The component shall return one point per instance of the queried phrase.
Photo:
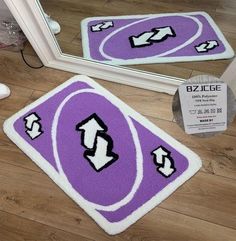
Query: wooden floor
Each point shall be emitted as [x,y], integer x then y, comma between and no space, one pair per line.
[33,208]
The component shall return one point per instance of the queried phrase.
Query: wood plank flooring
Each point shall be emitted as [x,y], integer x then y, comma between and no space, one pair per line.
[33,208]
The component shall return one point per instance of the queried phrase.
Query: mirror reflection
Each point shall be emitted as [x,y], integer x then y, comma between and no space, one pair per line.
[170,33]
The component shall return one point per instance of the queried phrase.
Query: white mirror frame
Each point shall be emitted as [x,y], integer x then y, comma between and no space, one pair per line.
[28,14]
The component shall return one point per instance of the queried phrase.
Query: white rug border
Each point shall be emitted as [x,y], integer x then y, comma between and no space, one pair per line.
[227,54]
[117,227]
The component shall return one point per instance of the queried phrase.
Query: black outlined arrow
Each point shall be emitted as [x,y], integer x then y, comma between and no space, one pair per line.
[158,155]
[155,36]
[33,125]
[167,169]
[102,155]
[90,127]
[99,145]
[206,46]
[35,131]
[30,119]
[164,161]
[101,26]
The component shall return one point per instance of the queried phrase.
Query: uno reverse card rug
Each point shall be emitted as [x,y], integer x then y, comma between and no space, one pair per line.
[108,158]
[155,38]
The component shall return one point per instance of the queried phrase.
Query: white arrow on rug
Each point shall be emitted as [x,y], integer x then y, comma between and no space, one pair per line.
[156,35]
[159,154]
[212,44]
[167,169]
[35,131]
[100,26]
[206,46]
[162,33]
[30,120]
[100,158]
[142,40]
[90,129]
[163,160]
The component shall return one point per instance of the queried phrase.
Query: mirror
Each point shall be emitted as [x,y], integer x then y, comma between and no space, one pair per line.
[64,51]
[69,15]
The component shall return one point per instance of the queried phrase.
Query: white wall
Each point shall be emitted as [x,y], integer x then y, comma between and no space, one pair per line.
[2,5]
[4,11]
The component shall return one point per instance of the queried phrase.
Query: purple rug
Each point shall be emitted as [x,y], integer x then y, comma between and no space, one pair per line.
[108,158]
[155,38]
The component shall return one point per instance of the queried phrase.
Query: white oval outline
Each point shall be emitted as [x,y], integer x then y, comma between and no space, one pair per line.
[189,41]
[139,156]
